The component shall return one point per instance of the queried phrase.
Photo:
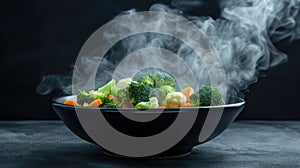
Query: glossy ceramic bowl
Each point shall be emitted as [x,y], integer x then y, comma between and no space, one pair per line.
[210,122]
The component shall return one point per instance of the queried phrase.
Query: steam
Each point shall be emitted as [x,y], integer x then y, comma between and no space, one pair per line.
[243,36]
[52,82]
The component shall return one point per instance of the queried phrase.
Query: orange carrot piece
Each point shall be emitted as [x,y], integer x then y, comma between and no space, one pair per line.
[185,105]
[116,100]
[95,103]
[162,106]
[188,92]
[110,96]
[71,103]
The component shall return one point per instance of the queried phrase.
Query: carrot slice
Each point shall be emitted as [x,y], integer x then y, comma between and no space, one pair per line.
[188,92]
[110,96]
[185,105]
[95,103]
[71,103]
[162,106]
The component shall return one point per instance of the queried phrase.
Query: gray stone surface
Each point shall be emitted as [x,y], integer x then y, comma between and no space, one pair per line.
[244,144]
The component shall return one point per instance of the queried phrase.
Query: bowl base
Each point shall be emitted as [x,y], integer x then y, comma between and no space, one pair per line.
[148,157]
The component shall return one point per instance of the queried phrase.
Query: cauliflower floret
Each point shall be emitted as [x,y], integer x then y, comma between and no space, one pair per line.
[153,102]
[175,99]
[124,83]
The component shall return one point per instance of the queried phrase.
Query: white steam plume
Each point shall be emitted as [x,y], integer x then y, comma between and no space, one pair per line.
[243,35]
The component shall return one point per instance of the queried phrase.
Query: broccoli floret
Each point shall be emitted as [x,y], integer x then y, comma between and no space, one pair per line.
[162,83]
[206,96]
[107,100]
[210,96]
[97,95]
[139,92]
[167,89]
[108,103]
[168,81]
[195,100]
[158,80]
[84,98]
[146,80]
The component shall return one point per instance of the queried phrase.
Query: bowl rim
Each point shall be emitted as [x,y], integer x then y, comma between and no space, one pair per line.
[54,101]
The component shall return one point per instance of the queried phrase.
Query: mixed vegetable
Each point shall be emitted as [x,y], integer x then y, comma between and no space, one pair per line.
[150,91]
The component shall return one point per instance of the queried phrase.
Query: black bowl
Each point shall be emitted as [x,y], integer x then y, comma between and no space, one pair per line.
[210,122]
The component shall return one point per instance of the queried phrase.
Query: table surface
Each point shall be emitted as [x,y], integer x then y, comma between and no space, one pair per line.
[243,144]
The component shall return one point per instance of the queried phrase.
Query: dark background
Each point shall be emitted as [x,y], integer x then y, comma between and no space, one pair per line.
[44,37]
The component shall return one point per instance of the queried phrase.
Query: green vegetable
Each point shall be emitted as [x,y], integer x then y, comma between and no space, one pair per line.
[123,96]
[84,97]
[152,103]
[139,92]
[162,84]
[148,92]
[158,80]
[169,82]
[109,104]
[87,97]
[167,89]
[85,104]
[108,88]
[161,93]
[207,96]
[107,100]
[147,80]
[145,105]
[97,95]
[195,100]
